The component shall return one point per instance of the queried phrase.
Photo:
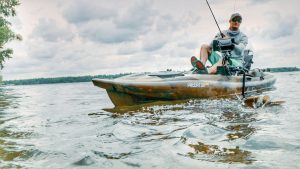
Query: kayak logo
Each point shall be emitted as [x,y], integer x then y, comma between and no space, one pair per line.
[196,85]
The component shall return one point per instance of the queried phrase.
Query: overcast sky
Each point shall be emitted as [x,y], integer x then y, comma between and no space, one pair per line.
[80,37]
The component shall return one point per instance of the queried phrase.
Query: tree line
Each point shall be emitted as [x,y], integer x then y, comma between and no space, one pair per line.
[282,69]
[69,79]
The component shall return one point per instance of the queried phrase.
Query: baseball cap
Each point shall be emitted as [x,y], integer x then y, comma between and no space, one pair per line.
[235,15]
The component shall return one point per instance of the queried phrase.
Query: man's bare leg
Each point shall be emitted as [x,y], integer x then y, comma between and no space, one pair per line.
[213,68]
[204,53]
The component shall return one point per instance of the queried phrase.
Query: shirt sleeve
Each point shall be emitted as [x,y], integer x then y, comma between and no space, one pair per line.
[240,47]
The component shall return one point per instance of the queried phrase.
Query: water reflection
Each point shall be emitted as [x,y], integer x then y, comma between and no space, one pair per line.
[240,131]
[227,122]
[153,107]
[239,124]
[7,98]
[217,154]
[10,150]
[228,119]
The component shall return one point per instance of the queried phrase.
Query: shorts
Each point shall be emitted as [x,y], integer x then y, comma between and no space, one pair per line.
[215,57]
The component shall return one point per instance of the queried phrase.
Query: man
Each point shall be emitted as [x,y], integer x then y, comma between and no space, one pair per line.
[236,58]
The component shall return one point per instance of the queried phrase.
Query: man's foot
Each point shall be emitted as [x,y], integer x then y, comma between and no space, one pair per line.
[198,66]
[201,67]
[193,61]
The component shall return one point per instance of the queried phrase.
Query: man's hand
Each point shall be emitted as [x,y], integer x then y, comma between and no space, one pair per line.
[233,40]
[226,37]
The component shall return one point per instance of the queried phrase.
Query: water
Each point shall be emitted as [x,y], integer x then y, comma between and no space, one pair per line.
[73,126]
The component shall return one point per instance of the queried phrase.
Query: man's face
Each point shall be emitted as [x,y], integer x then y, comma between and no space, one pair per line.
[235,23]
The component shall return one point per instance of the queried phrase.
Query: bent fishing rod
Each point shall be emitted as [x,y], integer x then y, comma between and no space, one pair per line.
[222,35]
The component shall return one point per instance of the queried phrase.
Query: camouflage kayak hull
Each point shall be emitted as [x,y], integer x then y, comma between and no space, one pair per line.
[164,86]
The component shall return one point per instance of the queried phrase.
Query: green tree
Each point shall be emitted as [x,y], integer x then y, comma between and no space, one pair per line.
[7,9]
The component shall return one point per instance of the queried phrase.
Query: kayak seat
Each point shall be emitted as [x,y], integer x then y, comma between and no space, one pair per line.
[248,59]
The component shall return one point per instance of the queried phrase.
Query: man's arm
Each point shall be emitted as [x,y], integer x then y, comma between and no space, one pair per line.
[239,48]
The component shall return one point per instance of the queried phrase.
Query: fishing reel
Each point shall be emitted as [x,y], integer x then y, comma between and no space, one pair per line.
[223,45]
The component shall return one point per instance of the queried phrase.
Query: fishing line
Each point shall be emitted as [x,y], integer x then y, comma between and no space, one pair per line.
[234,6]
[222,35]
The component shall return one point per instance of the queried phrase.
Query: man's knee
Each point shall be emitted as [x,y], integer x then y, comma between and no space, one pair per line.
[205,47]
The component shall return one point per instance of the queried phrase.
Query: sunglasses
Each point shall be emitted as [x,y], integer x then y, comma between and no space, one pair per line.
[239,20]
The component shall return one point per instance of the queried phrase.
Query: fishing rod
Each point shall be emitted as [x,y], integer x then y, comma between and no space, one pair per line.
[222,35]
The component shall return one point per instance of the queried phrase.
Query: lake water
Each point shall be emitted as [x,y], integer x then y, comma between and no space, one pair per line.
[73,126]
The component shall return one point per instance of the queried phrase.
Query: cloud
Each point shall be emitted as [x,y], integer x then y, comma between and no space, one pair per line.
[50,30]
[129,48]
[106,32]
[103,37]
[280,26]
[135,32]
[285,27]
[139,17]
[188,44]
[80,11]
[256,2]
[154,44]
[169,23]
[106,25]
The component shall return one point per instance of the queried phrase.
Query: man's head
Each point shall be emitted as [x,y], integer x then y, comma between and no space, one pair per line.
[235,21]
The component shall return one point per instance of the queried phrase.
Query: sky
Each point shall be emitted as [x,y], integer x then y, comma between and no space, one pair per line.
[80,37]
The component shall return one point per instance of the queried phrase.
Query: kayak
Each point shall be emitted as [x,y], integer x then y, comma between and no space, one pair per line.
[142,88]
